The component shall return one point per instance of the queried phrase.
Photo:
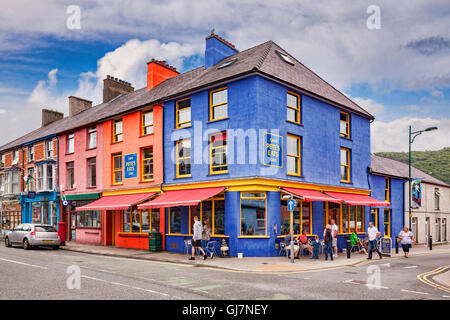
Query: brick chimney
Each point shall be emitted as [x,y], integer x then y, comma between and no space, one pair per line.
[77,105]
[49,116]
[112,87]
[158,71]
[217,49]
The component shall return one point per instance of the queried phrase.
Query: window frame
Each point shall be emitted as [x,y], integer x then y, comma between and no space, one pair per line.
[298,158]
[374,211]
[177,162]
[388,223]
[298,119]
[212,106]
[70,166]
[45,177]
[347,166]
[116,134]
[186,124]
[143,179]
[31,153]
[91,131]
[211,149]
[217,197]
[143,126]
[241,197]
[114,170]
[49,149]
[89,171]
[437,199]
[387,189]
[346,134]
[170,221]
[70,138]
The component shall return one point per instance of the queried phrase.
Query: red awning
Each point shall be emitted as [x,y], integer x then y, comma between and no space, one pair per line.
[358,199]
[119,202]
[186,197]
[310,195]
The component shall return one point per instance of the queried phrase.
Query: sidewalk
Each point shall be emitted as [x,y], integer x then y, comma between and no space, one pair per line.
[248,264]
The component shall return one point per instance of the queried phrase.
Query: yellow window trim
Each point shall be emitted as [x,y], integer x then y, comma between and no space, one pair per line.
[254,237]
[265,215]
[347,166]
[347,125]
[298,157]
[114,156]
[387,189]
[116,134]
[177,109]
[298,119]
[388,235]
[211,149]
[178,158]
[143,126]
[212,106]
[376,216]
[142,164]
[220,196]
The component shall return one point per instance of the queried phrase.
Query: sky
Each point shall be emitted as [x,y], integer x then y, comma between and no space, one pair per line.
[399,71]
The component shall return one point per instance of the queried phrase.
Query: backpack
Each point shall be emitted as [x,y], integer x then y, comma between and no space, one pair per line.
[328,237]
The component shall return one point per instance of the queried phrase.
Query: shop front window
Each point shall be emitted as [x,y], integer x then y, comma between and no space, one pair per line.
[88,219]
[175,220]
[36,213]
[306,217]
[11,219]
[253,214]
[286,219]
[352,219]
[332,211]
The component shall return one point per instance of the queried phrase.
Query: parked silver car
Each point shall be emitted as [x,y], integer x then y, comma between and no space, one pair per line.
[32,235]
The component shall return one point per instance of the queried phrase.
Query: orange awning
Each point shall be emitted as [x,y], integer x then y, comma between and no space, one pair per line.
[310,195]
[118,202]
[187,197]
[357,199]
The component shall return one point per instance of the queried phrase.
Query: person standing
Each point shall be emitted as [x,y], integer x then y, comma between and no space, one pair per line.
[206,236]
[334,232]
[315,244]
[197,239]
[373,234]
[406,238]
[328,241]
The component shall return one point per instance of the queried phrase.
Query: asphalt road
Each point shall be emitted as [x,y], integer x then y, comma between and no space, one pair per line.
[42,274]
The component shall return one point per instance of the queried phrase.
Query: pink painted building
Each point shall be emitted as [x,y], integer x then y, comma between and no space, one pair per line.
[81,175]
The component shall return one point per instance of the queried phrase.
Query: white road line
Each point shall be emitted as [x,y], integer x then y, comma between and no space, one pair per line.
[404,290]
[410,267]
[25,264]
[128,286]
[446,296]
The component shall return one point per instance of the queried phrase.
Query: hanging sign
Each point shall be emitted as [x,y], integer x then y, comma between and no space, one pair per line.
[131,166]
[416,190]
[273,150]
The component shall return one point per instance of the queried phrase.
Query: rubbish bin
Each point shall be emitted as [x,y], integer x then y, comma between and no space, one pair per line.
[62,232]
[155,242]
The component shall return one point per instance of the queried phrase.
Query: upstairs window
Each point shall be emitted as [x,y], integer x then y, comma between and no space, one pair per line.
[12,182]
[70,143]
[92,172]
[436,198]
[49,148]
[147,122]
[183,158]
[183,113]
[70,171]
[15,159]
[293,155]
[2,161]
[218,104]
[92,137]
[117,168]
[345,165]
[147,164]
[345,125]
[285,57]
[218,153]
[293,107]
[387,189]
[30,180]
[30,153]
[45,177]
[117,130]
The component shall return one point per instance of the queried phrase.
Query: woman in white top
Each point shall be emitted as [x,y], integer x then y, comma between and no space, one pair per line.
[406,238]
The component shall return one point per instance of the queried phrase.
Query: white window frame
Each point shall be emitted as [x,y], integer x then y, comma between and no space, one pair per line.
[49,149]
[45,186]
[31,153]
[9,182]
[91,131]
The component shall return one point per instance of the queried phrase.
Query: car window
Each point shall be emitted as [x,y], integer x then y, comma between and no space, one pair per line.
[44,229]
[27,227]
[18,228]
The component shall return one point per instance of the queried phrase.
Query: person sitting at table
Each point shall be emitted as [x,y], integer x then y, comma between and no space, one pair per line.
[250,231]
[355,241]
[303,239]
[287,241]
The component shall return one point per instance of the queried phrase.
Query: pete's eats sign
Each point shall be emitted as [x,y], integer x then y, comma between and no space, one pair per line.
[131,165]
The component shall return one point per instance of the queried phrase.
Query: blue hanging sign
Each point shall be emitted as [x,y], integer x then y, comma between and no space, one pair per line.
[131,165]
[273,150]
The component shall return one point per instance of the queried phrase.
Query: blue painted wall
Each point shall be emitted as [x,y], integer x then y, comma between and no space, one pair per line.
[216,51]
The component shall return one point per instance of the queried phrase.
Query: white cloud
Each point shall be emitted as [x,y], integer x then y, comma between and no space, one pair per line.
[437,93]
[2,111]
[393,135]
[369,105]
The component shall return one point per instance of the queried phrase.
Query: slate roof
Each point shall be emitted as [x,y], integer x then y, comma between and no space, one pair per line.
[394,168]
[262,58]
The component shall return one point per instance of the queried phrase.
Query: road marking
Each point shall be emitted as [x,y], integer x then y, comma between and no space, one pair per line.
[404,290]
[424,278]
[128,286]
[385,265]
[25,264]
[410,267]
[446,296]
[368,285]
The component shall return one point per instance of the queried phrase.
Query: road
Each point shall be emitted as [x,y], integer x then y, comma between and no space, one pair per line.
[42,274]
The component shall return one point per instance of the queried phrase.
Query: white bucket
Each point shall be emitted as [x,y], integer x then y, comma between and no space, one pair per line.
[240,255]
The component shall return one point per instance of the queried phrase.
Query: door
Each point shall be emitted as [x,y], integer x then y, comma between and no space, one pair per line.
[438,229]
[414,228]
[427,230]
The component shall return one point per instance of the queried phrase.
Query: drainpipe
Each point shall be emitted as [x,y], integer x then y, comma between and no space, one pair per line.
[57,180]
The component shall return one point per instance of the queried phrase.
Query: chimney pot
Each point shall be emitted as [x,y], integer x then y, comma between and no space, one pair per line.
[77,105]
[49,116]
[112,87]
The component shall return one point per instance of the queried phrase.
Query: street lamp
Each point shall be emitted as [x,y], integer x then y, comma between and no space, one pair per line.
[412,136]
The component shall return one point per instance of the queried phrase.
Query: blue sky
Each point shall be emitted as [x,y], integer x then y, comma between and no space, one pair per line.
[399,72]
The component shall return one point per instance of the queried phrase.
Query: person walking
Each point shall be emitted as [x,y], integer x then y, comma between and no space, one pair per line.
[406,238]
[334,232]
[373,234]
[328,240]
[206,236]
[197,239]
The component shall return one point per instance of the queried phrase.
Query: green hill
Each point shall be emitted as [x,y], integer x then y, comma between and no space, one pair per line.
[435,163]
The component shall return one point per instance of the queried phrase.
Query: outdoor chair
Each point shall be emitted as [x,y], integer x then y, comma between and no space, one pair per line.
[188,247]
[282,249]
[211,245]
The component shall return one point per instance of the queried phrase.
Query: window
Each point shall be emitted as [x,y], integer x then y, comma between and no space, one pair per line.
[183,113]
[2,161]
[147,164]
[387,222]
[438,230]
[44,177]
[345,125]
[286,219]
[293,155]
[218,104]
[147,122]
[117,130]
[117,168]
[92,172]
[12,182]
[444,229]
[227,63]
[2,183]
[212,211]
[218,153]
[352,219]
[285,57]
[345,165]
[293,107]
[332,211]
[175,220]
[253,214]
[92,137]
[49,148]
[88,219]
[141,221]
[183,154]
[70,143]
[436,198]
[387,189]
[11,219]
[70,171]
[30,153]
[15,159]
[374,216]
[30,180]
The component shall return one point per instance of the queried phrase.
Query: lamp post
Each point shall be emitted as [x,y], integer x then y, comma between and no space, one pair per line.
[412,136]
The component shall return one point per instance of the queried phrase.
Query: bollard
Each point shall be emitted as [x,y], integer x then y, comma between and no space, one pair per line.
[431,242]
[349,249]
[396,245]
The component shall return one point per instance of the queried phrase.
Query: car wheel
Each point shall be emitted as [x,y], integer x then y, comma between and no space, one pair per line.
[7,242]
[55,247]
[26,244]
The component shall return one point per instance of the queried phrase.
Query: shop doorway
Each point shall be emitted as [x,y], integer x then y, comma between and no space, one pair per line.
[109,228]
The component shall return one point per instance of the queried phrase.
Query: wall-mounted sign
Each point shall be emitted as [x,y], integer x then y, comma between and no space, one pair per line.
[416,190]
[131,165]
[65,203]
[273,150]
[31,195]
